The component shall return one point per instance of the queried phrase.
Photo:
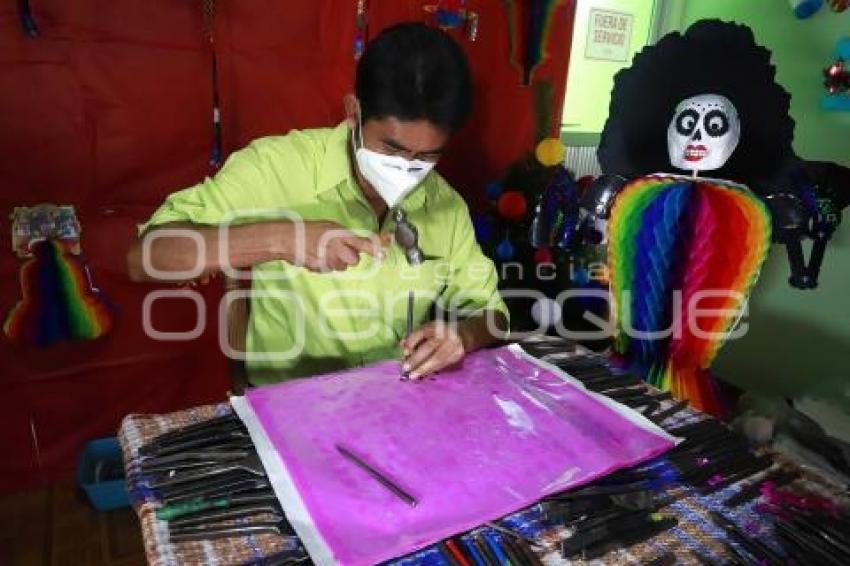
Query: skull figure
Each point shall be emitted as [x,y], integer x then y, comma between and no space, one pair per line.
[703,133]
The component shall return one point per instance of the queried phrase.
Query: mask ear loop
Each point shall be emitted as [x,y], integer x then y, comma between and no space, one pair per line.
[360,128]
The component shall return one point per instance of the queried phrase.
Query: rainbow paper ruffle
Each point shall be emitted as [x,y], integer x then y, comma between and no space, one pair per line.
[57,301]
[530,26]
[682,256]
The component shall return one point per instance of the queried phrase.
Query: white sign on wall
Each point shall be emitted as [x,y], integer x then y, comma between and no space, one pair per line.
[609,35]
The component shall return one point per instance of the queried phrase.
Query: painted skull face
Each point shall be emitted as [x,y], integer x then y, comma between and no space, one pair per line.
[703,133]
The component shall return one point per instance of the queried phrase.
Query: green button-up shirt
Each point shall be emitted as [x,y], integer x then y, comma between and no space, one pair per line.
[302,322]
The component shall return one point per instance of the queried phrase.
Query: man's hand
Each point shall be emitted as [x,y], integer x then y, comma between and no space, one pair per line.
[327,246]
[431,348]
[438,345]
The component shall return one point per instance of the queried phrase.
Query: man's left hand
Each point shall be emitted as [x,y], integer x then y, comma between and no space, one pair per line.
[431,348]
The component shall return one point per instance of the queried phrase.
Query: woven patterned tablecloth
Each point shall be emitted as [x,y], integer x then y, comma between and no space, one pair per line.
[695,534]
[137,430]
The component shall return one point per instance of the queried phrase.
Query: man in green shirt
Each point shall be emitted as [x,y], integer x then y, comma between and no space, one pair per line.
[307,216]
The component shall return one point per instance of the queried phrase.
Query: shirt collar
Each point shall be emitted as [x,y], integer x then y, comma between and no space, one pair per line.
[335,167]
[336,170]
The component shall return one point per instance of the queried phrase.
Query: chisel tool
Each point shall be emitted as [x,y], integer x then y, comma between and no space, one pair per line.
[377,476]
[404,374]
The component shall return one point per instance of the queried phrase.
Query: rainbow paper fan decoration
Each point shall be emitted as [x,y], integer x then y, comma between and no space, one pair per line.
[58,302]
[530,24]
[683,256]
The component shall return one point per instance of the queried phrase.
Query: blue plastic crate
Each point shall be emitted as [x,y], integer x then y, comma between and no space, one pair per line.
[100,473]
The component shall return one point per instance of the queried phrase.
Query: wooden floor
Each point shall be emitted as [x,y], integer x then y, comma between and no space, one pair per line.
[56,526]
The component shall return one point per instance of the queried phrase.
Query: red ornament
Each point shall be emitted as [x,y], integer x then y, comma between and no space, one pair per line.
[512,205]
[837,77]
[839,6]
[543,255]
[584,182]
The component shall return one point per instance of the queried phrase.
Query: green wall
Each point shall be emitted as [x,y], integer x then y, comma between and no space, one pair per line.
[798,343]
[801,49]
[590,81]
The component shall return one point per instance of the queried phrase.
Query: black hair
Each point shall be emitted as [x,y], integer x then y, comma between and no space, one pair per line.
[414,72]
[711,57]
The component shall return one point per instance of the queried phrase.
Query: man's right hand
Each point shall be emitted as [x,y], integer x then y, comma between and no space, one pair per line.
[327,246]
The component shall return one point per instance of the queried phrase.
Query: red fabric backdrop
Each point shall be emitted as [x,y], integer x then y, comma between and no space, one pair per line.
[110,110]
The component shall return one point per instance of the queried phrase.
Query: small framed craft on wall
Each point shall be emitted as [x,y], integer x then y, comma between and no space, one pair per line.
[609,35]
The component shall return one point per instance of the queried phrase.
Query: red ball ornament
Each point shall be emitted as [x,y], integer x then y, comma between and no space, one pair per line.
[584,182]
[543,255]
[512,205]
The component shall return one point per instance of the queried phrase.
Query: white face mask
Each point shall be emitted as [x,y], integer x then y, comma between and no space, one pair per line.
[703,133]
[393,176]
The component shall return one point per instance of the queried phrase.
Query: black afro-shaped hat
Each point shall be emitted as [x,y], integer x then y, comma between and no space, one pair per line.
[711,57]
